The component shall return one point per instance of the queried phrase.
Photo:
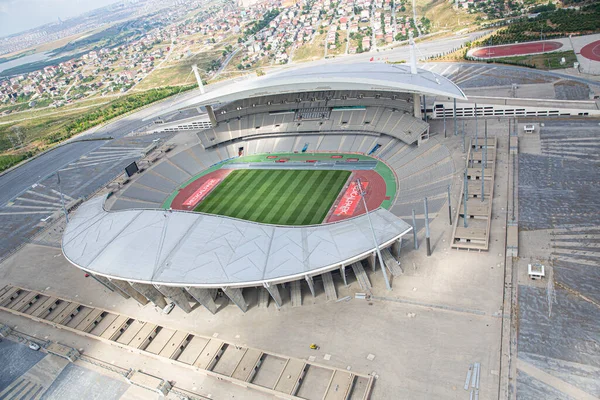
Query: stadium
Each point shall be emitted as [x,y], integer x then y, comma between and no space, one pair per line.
[296,178]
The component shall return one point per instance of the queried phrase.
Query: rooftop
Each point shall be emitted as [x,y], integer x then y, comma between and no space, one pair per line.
[357,76]
[192,249]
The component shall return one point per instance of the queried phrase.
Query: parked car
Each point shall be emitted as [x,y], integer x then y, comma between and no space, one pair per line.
[34,346]
[168,308]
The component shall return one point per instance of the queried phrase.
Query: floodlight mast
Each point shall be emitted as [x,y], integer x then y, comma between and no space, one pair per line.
[362,195]
[413,70]
[413,55]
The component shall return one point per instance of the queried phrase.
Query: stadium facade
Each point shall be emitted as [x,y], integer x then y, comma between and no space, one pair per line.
[136,244]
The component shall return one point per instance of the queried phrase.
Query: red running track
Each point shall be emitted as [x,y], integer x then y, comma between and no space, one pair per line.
[516,49]
[591,51]
[375,192]
[374,197]
[188,191]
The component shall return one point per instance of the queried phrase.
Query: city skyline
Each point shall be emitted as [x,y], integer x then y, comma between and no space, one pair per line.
[21,15]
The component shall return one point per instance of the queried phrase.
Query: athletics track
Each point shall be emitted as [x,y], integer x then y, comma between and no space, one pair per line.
[591,51]
[516,49]
[347,204]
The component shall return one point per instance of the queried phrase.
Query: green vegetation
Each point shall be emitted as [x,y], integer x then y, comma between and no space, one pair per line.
[284,197]
[114,109]
[543,8]
[266,19]
[8,161]
[560,23]
[21,139]
[541,61]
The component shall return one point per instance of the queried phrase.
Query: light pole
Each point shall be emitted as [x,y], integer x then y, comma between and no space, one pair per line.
[541,38]
[444,111]
[414,220]
[475,125]
[464,147]
[62,199]
[362,195]
[427,235]
[466,196]
[454,115]
[449,207]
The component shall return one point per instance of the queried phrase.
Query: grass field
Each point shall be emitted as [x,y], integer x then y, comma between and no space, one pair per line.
[283,197]
[544,61]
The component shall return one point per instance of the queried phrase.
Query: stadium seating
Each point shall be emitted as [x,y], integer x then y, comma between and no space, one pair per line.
[317,112]
[375,120]
[422,171]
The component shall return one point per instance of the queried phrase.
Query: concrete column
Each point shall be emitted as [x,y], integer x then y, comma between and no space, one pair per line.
[108,284]
[343,272]
[395,248]
[371,261]
[311,284]
[211,115]
[235,295]
[125,287]
[204,297]
[177,295]
[150,292]
[417,105]
[263,298]
[274,292]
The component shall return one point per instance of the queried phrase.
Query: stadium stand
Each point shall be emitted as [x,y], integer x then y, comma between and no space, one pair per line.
[371,109]
[309,112]
[421,171]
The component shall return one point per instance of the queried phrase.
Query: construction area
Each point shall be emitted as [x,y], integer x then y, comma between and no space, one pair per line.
[271,373]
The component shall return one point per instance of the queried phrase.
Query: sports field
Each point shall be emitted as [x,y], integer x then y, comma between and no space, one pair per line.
[283,197]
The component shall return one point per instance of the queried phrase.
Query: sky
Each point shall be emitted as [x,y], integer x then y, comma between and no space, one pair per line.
[21,15]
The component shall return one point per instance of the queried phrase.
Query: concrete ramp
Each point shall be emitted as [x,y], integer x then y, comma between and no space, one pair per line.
[361,276]
[390,262]
[296,293]
[34,383]
[330,292]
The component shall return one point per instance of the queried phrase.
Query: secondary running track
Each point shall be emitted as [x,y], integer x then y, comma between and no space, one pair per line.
[516,49]
[591,51]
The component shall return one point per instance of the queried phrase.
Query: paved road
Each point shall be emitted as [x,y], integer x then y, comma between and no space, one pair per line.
[226,62]
[20,179]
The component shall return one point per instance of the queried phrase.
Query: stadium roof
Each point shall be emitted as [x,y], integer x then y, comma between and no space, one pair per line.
[180,248]
[358,76]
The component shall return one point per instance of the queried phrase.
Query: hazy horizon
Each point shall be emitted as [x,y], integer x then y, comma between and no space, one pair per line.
[21,15]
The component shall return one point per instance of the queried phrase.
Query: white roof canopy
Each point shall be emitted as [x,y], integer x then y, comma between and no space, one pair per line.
[358,76]
[181,248]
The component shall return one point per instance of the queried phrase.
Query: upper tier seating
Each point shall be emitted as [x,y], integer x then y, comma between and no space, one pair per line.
[376,120]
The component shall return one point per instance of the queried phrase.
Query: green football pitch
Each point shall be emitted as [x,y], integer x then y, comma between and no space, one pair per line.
[283,197]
